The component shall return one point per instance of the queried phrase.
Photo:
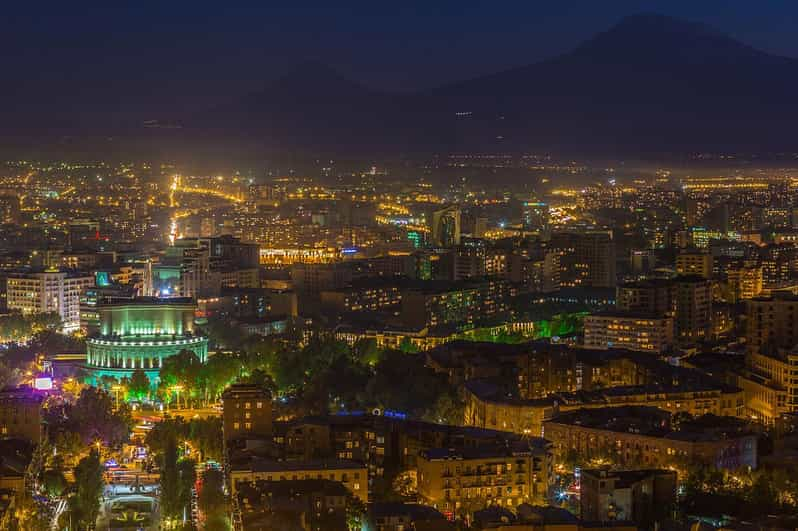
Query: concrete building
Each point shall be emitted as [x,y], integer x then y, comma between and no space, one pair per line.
[651,297]
[696,263]
[743,283]
[442,303]
[693,318]
[246,411]
[772,322]
[769,383]
[50,291]
[629,331]
[642,496]
[21,414]
[354,476]
[446,226]
[459,482]
[586,258]
[642,436]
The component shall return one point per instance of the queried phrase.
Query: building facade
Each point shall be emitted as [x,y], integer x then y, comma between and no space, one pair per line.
[139,334]
[50,291]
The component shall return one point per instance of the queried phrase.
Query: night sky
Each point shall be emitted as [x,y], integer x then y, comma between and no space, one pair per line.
[193,54]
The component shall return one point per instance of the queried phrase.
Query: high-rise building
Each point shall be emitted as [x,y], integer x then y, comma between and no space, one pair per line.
[694,264]
[693,318]
[772,323]
[50,291]
[535,215]
[9,208]
[446,226]
[586,258]
[652,297]
[199,267]
[743,283]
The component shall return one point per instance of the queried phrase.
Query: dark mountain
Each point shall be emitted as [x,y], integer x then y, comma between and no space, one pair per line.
[651,84]
[312,106]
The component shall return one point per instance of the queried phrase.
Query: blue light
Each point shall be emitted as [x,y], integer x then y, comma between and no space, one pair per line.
[349,250]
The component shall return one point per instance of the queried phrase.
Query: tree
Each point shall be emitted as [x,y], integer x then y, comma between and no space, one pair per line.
[54,482]
[448,408]
[407,346]
[170,482]
[94,418]
[85,504]
[187,476]
[355,513]
[210,498]
[183,369]
[206,436]
[139,385]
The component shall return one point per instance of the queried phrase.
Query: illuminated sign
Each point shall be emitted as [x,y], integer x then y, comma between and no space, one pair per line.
[43,384]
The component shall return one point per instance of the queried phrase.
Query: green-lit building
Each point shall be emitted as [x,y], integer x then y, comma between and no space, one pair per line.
[140,333]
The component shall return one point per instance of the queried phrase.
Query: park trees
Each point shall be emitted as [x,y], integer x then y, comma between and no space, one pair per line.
[85,503]
[138,387]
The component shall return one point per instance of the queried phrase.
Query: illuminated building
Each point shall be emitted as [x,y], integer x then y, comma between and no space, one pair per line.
[772,322]
[200,267]
[487,408]
[459,482]
[473,259]
[771,388]
[51,291]
[694,264]
[9,208]
[535,215]
[629,331]
[642,496]
[440,303]
[246,411]
[654,297]
[446,227]
[140,334]
[354,476]
[586,258]
[368,295]
[693,318]
[642,436]
[769,383]
[743,283]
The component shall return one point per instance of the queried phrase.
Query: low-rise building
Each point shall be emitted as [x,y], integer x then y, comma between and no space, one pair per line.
[246,411]
[21,414]
[354,476]
[642,496]
[642,436]
[459,482]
